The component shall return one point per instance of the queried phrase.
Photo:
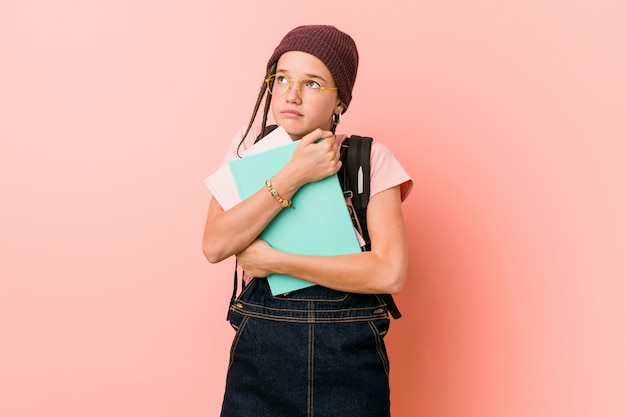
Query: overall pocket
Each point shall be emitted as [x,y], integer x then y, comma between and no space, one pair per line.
[379,330]
[238,322]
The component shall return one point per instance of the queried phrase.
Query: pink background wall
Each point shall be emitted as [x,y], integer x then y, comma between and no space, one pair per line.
[509,115]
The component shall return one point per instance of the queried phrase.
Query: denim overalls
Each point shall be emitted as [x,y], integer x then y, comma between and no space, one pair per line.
[315,352]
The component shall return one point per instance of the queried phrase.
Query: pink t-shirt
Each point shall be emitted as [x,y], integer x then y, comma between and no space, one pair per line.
[385,170]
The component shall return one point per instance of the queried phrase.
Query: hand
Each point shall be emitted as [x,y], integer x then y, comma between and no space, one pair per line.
[313,160]
[254,259]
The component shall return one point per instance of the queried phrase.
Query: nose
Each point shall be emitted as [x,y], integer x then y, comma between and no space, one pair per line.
[293,93]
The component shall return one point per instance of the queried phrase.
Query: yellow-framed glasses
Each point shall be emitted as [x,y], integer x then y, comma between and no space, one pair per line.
[278,85]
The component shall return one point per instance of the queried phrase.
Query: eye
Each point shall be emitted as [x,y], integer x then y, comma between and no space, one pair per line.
[281,79]
[312,84]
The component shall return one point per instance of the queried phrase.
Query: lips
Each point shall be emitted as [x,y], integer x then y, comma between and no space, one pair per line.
[291,113]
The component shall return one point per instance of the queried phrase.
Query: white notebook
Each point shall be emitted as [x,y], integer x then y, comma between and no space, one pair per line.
[221,182]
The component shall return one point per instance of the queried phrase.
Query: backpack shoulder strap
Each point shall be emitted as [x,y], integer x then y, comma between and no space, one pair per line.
[354,177]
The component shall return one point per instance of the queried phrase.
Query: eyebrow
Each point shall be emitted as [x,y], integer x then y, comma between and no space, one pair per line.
[319,77]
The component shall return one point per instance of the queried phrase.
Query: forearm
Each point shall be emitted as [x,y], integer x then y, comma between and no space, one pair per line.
[383,270]
[229,232]
[364,272]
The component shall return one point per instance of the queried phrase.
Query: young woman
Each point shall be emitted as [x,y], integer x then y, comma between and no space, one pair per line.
[318,351]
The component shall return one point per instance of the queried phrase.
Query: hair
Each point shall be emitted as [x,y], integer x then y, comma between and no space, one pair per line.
[263,92]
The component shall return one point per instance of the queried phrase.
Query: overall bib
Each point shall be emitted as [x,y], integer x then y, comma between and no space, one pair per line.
[315,352]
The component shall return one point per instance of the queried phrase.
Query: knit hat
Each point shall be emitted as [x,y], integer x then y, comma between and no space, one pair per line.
[333,47]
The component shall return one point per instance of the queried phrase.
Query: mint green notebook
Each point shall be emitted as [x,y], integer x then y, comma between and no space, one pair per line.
[319,225]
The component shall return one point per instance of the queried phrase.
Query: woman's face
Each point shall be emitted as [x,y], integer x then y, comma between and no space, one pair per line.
[300,115]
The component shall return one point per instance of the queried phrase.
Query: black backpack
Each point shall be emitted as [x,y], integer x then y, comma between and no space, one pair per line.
[354,177]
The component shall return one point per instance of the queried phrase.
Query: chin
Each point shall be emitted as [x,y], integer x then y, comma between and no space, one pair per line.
[295,136]
[296,132]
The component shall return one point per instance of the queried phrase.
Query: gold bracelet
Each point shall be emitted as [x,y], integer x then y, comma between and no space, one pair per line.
[274,193]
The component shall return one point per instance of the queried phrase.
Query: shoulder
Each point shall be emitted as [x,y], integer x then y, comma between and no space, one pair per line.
[386,171]
[379,152]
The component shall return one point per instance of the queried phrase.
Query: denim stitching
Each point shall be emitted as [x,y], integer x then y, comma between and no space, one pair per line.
[311,362]
[237,338]
[306,309]
[311,320]
[379,347]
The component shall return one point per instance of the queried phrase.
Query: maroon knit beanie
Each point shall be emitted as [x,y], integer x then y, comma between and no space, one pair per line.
[333,47]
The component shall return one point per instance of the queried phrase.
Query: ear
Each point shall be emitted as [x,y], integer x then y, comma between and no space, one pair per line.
[339,108]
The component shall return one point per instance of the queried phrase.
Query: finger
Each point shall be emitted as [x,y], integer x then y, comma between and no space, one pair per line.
[328,142]
[312,137]
[325,134]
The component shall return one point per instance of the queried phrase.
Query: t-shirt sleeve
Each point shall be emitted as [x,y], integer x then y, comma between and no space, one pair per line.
[387,172]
